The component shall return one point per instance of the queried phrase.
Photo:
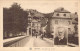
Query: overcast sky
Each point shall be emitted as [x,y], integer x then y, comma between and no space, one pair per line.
[44,6]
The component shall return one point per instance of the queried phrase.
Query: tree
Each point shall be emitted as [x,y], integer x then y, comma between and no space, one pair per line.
[14,19]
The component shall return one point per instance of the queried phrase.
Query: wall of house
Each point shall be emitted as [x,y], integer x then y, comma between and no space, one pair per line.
[61,15]
[61,20]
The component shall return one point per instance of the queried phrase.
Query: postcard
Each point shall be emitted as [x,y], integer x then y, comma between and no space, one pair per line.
[39,25]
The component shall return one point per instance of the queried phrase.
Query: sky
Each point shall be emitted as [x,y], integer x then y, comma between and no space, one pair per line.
[43,6]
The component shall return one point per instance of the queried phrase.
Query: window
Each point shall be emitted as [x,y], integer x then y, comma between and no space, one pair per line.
[69,31]
[29,24]
[33,25]
[56,21]
[57,14]
[69,22]
[64,14]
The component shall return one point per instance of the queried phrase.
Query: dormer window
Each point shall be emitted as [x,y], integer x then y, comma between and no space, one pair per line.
[64,15]
[57,14]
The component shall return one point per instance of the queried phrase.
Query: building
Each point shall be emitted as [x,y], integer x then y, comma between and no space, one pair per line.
[75,22]
[61,18]
[34,22]
[29,31]
[36,26]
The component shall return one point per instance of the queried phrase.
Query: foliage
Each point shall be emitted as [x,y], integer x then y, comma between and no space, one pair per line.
[14,19]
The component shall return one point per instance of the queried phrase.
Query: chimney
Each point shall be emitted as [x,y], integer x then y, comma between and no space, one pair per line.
[62,9]
[75,13]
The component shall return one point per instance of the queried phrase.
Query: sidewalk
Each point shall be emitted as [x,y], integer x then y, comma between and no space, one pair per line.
[72,45]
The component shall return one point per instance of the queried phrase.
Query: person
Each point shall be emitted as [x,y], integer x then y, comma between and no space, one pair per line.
[42,36]
[36,34]
[60,39]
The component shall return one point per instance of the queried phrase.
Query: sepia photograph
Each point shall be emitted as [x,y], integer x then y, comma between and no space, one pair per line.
[61,36]
[40,24]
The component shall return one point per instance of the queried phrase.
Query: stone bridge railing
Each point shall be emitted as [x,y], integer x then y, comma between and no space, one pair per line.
[15,42]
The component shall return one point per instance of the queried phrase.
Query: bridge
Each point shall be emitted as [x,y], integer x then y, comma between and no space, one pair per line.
[29,41]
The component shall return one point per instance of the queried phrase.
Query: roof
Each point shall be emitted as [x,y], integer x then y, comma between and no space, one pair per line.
[62,10]
[74,22]
[38,15]
[74,16]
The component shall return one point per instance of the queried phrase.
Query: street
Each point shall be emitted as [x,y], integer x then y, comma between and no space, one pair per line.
[38,42]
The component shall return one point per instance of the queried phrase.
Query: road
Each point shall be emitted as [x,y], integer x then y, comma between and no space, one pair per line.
[38,42]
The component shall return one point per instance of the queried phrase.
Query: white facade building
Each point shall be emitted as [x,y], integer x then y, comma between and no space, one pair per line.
[61,18]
